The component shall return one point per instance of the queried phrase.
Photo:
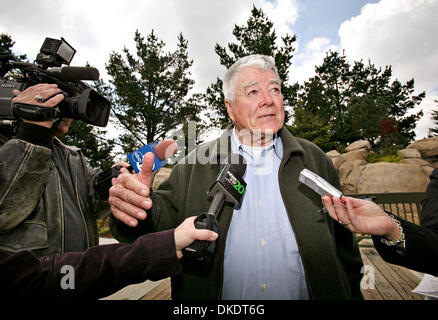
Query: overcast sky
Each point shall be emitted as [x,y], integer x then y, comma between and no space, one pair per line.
[400,33]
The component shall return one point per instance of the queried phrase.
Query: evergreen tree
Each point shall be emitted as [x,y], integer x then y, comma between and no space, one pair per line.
[149,90]
[256,37]
[313,128]
[6,44]
[6,54]
[359,101]
[434,131]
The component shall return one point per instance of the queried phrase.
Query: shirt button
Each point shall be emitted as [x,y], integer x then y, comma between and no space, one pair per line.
[260,202]
[263,242]
[264,287]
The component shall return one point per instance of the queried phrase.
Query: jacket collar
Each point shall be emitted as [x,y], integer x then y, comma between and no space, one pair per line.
[222,147]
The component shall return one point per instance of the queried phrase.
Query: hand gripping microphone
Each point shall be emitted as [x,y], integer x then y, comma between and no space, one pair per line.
[228,187]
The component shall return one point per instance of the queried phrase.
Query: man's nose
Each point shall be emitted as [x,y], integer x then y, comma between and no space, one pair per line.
[266,98]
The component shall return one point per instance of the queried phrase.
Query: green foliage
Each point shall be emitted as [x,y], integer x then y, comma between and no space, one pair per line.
[256,37]
[312,128]
[6,44]
[103,227]
[358,101]
[149,90]
[373,157]
[434,131]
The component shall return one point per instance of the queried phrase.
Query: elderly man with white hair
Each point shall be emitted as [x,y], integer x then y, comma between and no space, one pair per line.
[276,244]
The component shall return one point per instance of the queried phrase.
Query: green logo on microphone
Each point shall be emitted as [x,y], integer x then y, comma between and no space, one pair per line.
[240,188]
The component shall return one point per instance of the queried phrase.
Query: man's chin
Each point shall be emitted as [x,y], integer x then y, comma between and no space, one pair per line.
[62,127]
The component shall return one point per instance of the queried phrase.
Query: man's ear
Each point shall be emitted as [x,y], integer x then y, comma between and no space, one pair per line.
[229,106]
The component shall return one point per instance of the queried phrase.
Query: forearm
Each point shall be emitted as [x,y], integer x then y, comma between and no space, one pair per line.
[95,273]
[420,251]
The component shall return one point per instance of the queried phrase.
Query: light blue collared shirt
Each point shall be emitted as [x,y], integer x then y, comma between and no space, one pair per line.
[261,254]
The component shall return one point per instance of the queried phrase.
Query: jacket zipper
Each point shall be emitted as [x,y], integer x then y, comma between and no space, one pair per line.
[82,213]
[79,205]
[61,208]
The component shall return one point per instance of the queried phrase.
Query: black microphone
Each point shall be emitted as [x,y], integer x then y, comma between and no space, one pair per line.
[228,187]
[68,73]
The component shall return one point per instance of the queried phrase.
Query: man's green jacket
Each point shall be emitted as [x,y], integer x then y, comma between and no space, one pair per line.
[329,252]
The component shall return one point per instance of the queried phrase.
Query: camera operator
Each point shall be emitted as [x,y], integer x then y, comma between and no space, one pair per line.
[47,200]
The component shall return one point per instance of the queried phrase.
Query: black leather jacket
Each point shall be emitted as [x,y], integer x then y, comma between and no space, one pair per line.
[421,251]
[31,205]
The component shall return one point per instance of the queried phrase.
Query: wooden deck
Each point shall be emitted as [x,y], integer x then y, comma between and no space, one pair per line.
[390,282]
[160,292]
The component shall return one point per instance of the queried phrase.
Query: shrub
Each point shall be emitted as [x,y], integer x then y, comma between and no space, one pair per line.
[103,227]
[379,157]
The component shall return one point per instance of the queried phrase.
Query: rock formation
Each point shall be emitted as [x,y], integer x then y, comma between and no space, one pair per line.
[410,175]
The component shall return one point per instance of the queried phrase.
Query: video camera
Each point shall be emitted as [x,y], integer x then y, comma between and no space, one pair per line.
[81,101]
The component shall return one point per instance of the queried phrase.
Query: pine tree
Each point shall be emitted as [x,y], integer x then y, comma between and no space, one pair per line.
[149,90]
[256,37]
[359,101]
[6,54]
[434,131]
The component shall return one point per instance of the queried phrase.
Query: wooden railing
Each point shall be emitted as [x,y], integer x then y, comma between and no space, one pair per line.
[406,205]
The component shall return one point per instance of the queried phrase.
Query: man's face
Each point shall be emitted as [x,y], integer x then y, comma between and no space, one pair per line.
[258,102]
[63,126]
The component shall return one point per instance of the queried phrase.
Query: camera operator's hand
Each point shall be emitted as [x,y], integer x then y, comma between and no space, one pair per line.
[122,164]
[43,94]
[186,234]
[129,195]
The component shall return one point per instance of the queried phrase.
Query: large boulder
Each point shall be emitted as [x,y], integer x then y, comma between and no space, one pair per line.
[359,144]
[428,149]
[382,177]
[410,153]
[349,173]
[336,158]
[410,175]
[359,154]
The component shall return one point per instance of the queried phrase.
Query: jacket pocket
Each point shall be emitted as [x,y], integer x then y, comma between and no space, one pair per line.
[26,236]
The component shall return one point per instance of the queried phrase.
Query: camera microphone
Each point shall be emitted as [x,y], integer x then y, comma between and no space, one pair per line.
[68,73]
[228,187]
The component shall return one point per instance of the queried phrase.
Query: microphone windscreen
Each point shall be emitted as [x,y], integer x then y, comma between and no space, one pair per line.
[75,73]
[165,149]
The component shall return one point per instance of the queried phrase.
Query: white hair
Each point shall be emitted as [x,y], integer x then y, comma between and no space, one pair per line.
[260,61]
